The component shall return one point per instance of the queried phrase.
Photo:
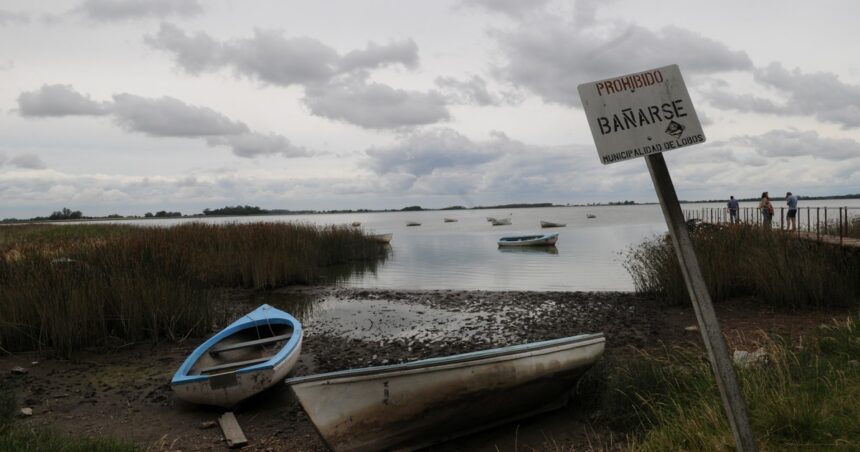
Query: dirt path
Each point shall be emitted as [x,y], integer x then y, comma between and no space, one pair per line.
[125,393]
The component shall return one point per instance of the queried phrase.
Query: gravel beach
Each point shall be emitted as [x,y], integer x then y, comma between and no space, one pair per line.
[124,392]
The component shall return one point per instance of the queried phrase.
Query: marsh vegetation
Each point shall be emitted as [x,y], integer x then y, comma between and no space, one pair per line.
[66,287]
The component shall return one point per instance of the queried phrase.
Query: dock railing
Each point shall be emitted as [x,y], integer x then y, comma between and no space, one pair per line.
[841,222]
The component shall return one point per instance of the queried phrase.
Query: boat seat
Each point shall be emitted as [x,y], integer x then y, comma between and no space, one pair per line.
[255,343]
[249,362]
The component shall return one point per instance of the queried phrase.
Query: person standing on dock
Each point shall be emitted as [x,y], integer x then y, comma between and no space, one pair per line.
[733,209]
[766,209]
[791,216]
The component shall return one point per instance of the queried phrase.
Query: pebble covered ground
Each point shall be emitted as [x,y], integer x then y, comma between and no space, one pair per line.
[124,391]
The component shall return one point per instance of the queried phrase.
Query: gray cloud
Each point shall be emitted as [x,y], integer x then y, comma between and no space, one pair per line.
[13,18]
[271,57]
[123,10]
[513,8]
[403,52]
[27,161]
[820,95]
[162,117]
[423,153]
[169,117]
[252,145]
[374,105]
[336,86]
[474,91]
[193,53]
[796,143]
[536,59]
[58,100]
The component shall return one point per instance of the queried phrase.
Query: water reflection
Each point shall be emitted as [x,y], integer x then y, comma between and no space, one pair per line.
[549,249]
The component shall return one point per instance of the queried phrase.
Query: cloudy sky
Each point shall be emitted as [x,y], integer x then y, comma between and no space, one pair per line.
[129,106]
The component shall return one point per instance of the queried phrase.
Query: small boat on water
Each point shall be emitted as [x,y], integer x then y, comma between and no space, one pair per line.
[491,219]
[419,403]
[383,238]
[250,355]
[356,224]
[450,220]
[550,224]
[590,215]
[529,240]
[412,223]
[501,222]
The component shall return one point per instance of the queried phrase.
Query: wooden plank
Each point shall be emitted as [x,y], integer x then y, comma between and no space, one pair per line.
[712,335]
[232,432]
[236,364]
[264,341]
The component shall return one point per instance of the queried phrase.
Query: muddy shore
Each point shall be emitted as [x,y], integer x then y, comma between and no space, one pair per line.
[123,391]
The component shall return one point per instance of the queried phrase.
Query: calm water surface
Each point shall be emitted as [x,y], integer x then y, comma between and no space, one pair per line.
[464,254]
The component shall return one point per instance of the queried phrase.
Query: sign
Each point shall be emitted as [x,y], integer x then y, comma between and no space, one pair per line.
[640,114]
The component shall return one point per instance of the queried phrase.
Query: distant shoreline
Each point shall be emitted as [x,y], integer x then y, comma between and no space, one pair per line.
[282,212]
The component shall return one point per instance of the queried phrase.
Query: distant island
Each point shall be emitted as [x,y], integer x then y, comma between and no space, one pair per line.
[66,214]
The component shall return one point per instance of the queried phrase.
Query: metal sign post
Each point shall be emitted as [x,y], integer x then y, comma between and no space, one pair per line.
[643,115]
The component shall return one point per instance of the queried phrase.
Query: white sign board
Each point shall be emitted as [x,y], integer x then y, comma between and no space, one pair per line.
[639,114]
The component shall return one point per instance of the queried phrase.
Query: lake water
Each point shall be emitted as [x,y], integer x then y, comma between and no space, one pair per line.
[464,254]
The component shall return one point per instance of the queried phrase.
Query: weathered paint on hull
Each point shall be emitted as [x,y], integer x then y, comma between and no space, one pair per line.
[228,389]
[416,407]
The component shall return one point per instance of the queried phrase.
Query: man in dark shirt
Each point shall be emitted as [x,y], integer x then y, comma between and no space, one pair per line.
[733,209]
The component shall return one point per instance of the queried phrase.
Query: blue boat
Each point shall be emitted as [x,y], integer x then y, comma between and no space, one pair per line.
[251,354]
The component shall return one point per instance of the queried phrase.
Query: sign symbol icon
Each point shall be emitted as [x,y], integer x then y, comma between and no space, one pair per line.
[675,129]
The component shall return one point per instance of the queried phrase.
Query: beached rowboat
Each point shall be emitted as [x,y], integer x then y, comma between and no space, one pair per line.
[383,238]
[529,240]
[501,222]
[250,355]
[412,405]
[550,224]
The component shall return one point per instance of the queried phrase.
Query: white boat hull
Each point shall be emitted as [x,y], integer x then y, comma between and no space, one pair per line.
[538,240]
[424,402]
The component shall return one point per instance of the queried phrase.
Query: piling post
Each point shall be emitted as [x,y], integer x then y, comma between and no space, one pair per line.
[781,217]
[808,223]
[818,222]
[825,221]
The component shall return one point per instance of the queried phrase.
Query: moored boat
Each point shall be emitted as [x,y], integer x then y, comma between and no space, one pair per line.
[383,238]
[412,223]
[550,224]
[529,240]
[356,224]
[251,354]
[416,404]
[590,215]
[450,220]
[501,221]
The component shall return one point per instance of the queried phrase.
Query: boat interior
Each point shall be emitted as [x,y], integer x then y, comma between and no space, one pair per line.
[246,347]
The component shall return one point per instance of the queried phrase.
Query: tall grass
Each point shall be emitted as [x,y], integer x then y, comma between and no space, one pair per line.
[64,287]
[775,267]
[799,399]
